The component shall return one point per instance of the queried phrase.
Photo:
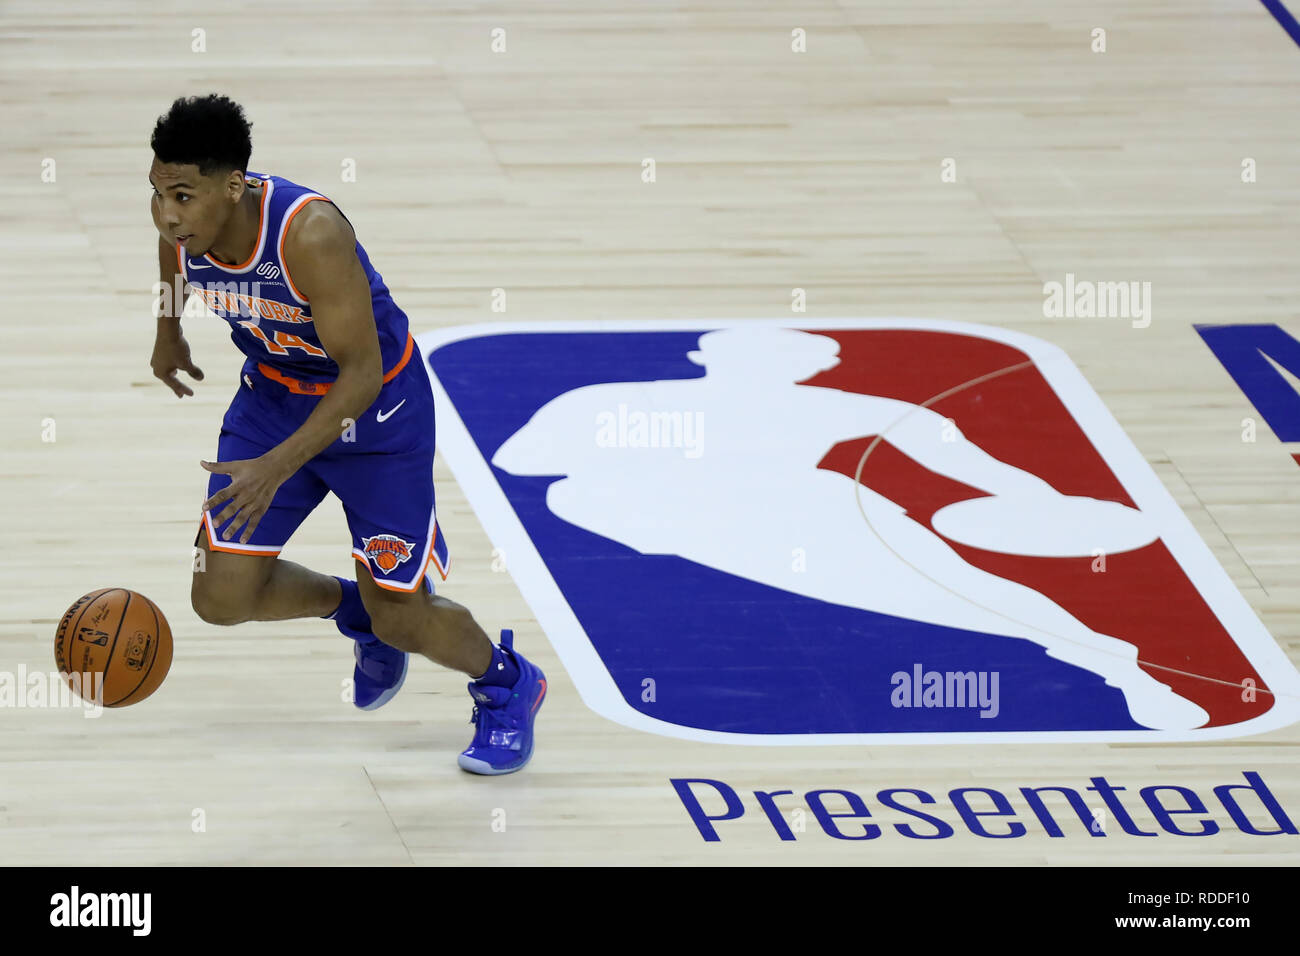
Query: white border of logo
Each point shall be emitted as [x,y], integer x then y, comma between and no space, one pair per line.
[597,687]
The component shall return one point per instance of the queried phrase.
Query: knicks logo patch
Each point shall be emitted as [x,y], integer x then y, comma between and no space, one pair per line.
[846,531]
[387,551]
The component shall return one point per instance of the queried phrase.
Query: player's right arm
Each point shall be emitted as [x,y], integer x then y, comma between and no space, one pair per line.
[935,442]
[171,353]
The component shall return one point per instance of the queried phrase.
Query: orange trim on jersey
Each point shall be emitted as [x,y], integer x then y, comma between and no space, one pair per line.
[284,234]
[257,246]
[256,552]
[179,265]
[299,387]
[401,362]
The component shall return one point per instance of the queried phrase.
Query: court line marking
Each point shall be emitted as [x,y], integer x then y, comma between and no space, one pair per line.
[1283,16]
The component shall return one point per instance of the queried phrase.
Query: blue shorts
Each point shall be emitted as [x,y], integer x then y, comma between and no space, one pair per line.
[381,469]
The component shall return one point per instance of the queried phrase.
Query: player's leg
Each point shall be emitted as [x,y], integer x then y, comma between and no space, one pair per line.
[392,564]
[235,581]
[231,588]
[1064,637]
[383,475]
[508,688]
[431,625]
[385,481]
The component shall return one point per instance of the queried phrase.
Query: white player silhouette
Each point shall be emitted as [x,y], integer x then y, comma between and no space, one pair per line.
[750,498]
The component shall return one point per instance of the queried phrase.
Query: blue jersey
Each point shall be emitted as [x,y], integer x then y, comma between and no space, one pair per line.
[270,319]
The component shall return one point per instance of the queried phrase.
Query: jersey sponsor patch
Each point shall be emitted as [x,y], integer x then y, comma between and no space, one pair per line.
[846,531]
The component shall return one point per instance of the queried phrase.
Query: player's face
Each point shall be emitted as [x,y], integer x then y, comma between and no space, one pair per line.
[193,208]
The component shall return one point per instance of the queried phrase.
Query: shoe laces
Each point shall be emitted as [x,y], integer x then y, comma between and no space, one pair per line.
[495,715]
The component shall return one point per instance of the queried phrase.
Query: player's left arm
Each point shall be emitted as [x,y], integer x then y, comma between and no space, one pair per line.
[937,443]
[320,255]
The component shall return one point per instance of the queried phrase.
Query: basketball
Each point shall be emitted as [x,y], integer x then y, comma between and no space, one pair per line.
[1050,526]
[114,636]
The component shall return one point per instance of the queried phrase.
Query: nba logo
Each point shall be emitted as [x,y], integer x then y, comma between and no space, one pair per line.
[846,531]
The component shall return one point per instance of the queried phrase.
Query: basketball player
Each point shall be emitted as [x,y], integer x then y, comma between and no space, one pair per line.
[331,398]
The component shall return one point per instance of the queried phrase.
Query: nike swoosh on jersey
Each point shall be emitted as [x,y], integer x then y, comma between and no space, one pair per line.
[381,415]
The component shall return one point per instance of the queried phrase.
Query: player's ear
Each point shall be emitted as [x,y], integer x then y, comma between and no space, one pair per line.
[234,185]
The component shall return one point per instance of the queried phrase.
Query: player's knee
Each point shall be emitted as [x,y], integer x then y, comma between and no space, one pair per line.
[450,620]
[391,624]
[398,623]
[218,607]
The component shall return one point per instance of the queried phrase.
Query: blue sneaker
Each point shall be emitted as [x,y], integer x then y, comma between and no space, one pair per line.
[378,675]
[350,617]
[380,670]
[503,737]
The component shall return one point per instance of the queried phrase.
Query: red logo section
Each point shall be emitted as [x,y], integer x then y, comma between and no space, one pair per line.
[1144,597]
[387,551]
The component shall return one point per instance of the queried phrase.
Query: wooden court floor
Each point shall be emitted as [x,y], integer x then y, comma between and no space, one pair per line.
[914,159]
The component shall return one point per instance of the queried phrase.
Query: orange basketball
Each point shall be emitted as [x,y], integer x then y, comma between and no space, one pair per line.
[119,635]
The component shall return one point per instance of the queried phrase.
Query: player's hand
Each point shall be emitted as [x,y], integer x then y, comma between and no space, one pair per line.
[253,484]
[171,354]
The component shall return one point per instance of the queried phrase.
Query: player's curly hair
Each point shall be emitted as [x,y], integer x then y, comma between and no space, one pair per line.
[209,131]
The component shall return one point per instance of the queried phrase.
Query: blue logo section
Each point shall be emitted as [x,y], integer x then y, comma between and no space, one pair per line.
[727,654]
[1242,350]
